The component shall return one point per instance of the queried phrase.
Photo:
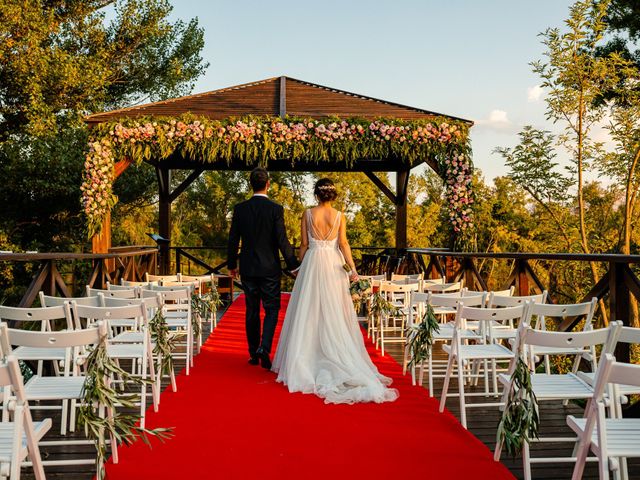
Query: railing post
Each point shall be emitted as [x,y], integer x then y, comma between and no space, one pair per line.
[619,305]
[178,257]
[522,279]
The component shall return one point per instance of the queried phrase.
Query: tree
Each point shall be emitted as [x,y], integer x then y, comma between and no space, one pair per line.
[575,78]
[60,60]
[533,168]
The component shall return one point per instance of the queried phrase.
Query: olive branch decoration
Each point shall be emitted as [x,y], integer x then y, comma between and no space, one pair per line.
[99,396]
[164,342]
[203,306]
[520,419]
[359,295]
[421,336]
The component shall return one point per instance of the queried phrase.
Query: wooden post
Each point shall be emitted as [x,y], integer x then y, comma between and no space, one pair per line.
[164,217]
[619,305]
[402,181]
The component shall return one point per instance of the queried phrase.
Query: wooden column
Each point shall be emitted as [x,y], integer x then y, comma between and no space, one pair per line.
[402,181]
[164,217]
[619,303]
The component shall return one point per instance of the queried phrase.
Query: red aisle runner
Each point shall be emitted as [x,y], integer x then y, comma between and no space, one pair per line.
[233,421]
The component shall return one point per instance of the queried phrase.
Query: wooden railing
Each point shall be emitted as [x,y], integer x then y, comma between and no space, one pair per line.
[128,263]
[615,288]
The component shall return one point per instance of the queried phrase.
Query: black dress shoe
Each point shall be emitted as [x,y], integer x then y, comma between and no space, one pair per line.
[254,361]
[265,361]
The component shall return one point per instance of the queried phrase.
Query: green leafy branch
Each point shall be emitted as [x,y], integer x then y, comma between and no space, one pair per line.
[99,396]
[164,342]
[421,336]
[520,419]
[203,306]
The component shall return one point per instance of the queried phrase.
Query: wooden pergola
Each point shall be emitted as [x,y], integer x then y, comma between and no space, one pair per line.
[279,96]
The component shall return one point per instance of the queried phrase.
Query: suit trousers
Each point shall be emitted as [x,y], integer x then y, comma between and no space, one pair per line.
[265,290]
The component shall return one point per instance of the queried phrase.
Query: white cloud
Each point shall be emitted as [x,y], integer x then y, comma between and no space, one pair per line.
[534,94]
[498,117]
[497,121]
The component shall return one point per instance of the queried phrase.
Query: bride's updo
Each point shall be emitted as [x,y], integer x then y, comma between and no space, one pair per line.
[325,190]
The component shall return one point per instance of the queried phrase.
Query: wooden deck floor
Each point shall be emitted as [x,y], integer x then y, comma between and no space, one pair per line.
[482,422]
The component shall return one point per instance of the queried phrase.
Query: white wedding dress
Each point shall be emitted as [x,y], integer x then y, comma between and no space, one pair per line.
[321,349]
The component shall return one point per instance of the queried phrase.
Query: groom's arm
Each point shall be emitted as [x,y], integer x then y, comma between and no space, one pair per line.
[283,242]
[234,243]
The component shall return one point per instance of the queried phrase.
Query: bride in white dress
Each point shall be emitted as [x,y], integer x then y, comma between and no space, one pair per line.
[321,349]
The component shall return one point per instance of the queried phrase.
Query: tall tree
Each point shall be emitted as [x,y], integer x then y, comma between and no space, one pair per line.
[60,60]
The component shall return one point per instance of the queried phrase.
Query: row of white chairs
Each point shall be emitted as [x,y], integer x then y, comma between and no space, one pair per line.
[122,314]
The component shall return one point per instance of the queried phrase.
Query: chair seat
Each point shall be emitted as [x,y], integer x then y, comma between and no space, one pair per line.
[6,438]
[556,387]
[589,377]
[444,310]
[122,323]
[623,435]
[128,337]
[470,352]
[37,353]
[54,388]
[125,350]
[538,350]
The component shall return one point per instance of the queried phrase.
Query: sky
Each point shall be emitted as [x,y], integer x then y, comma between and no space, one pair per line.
[466,58]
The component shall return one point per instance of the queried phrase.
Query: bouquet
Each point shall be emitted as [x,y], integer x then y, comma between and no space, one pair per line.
[360,291]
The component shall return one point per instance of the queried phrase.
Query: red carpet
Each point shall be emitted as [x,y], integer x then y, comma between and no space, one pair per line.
[233,421]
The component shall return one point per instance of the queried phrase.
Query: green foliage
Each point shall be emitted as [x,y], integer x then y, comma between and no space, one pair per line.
[58,62]
[421,336]
[98,391]
[202,306]
[164,342]
[520,419]
[359,291]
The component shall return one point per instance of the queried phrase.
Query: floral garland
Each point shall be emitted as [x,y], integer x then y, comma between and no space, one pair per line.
[257,140]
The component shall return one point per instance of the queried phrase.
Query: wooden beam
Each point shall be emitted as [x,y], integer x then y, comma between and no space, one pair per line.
[185,184]
[619,305]
[282,110]
[402,181]
[381,185]
[164,217]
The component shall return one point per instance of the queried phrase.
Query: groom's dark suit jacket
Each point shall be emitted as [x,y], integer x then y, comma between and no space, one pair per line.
[259,223]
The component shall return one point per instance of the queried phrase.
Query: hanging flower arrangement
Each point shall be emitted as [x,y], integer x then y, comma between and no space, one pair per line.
[257,140]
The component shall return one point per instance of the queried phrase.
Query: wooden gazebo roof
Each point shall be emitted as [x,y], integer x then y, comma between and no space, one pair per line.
[277,96]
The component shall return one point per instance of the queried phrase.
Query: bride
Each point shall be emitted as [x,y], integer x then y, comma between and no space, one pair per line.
[321,349]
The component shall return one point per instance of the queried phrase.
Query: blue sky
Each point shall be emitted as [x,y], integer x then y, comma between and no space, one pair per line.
[467,58]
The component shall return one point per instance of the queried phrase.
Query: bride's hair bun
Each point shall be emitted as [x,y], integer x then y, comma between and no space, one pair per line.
[325,190]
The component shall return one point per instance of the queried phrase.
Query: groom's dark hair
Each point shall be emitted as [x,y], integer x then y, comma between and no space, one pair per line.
[258,179]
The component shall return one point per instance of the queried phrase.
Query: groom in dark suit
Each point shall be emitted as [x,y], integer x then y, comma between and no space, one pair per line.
[259,224]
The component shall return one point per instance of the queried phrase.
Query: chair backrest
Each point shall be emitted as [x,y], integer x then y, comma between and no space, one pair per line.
[511,301]
[434,281]
[545,311]
[112,287]
[171,288]
[179,295]
[374,277]
[443,287]
[159,278]
[603,336]
[49,301]
[129,312]
[150,302]
[447,300]
[191,285]
[42,314]
[129,283]
[389,287]
[610,371]
[504,293]
[61,339]
[412,278]
[488,317]
[629,335]
[127,293]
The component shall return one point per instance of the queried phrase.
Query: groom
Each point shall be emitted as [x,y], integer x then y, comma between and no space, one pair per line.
[259,224]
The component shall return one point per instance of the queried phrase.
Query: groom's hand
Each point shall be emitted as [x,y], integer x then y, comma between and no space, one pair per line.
[234,273]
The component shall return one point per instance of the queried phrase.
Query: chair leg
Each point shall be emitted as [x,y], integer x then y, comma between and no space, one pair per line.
[463,407]
[526,463]
[72,415]
[430,373]
[64,417]
[445,386]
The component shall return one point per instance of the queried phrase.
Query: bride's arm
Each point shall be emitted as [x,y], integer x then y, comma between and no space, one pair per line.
[344,245]
[304,239]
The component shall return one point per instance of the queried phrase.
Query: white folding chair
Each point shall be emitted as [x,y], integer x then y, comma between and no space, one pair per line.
[46,316]
[19,437]
[205,284]
[507,330]
[443,287]
[556,387]
[391,328]
[66,388]
[447,304]
[372,321]
[49,301]
[140,354]
[546,313]
[131,283]
[483,351]
[612,440]
[161,278]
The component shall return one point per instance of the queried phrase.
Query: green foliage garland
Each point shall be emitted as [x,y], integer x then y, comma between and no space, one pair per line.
[520,420]
[359,293]
[97,391]
[164,343]
[258,140]
[202,306]
[421,336]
